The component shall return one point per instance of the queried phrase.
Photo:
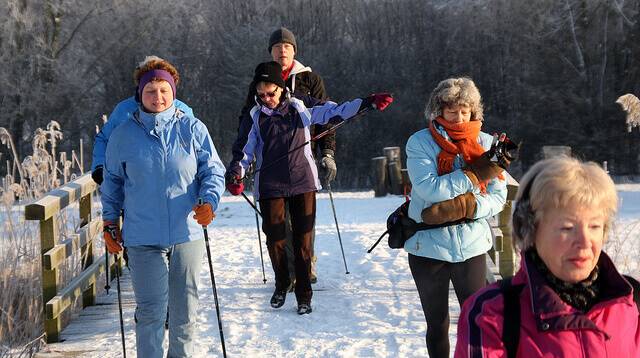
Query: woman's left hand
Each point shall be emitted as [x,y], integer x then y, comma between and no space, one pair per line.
[204,214]
[461,207]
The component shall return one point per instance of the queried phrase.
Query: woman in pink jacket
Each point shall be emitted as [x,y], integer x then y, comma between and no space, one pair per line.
[568,299]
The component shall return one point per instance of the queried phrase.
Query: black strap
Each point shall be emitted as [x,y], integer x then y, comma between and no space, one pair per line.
[636,289]
[511,315]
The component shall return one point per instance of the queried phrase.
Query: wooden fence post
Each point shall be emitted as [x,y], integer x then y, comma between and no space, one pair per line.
[379,165]
[394,165]
[49,230]
[507,255]
[86,251]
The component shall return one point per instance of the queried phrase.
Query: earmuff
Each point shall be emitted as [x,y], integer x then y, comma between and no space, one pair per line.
[523,220]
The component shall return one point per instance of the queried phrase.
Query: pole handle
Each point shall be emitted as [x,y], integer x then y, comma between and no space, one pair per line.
[201,202]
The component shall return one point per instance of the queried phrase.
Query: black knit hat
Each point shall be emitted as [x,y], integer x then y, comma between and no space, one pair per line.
[269,72]
[282,35]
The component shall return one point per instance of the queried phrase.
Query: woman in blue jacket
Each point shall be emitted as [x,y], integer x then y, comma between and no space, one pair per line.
[158,165]
[276,133]
[455,184]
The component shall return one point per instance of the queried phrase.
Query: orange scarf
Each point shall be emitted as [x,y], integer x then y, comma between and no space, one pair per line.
[464,138]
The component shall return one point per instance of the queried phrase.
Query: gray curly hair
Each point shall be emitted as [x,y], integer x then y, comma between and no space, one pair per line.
[451,92]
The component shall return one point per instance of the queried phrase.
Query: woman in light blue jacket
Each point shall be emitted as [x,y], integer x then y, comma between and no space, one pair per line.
[455,183]
[159,163]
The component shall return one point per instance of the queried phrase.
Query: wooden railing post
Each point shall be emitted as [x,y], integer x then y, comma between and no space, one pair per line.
[507,256]
[50,278]
[88,295]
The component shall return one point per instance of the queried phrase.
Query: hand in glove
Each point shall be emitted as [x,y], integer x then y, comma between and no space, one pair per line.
[461,207]
[492,162]
[505,151]
[204,214]
[96,175]
[329,165]
[112,237]
[235,184]
[380,101]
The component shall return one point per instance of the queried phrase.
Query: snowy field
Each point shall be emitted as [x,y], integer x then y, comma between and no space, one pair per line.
[372,312]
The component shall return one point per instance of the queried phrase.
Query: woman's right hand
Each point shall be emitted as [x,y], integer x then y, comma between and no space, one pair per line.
[112,237]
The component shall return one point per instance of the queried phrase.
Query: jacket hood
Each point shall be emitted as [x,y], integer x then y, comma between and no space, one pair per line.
[298,68]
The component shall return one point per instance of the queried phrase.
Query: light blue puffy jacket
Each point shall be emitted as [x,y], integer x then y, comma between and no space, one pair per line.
[123,111]
[454,243]
[157,167]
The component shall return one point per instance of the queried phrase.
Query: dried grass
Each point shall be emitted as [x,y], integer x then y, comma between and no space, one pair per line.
[21,318]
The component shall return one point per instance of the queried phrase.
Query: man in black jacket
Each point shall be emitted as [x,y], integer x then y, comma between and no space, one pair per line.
[300,81]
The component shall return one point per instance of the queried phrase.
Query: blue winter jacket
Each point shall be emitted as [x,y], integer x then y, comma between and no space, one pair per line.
[270,133]
[157,167]
[454,243]
[123,111]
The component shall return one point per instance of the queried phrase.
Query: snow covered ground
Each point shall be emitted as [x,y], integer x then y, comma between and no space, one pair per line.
[372,312]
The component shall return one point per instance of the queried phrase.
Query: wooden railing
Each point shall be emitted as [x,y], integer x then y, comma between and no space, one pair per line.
[54,252]
[503,254]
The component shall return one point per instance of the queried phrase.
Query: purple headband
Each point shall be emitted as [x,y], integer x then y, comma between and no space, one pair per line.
[159,74]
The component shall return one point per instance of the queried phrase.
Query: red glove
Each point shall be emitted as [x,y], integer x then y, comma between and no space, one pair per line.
[380,101]
[235,185]
[204,214]
[112,237]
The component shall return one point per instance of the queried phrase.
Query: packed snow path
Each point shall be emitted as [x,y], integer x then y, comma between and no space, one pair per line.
[374,311]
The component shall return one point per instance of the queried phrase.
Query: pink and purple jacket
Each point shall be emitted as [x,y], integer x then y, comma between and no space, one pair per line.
[549,327]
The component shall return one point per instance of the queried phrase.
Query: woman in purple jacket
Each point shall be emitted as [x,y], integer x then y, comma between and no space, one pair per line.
[571,299]
[277,134]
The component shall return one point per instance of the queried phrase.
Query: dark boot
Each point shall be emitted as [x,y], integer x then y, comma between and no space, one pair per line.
[277,300]
[304,308]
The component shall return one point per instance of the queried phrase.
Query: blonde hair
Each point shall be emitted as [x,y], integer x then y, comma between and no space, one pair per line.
[557,183]
[451,92]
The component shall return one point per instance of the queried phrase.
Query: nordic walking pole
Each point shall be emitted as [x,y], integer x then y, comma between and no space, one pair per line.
[264,278]
[255,208]
[213,285]
[335,217]
[124,349]
[106,272]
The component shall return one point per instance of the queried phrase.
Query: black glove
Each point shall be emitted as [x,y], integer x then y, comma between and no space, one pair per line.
[492,162]
[329,165]
[96,175]
[504,151]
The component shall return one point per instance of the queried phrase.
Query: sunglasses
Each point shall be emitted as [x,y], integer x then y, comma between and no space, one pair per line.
[267,94]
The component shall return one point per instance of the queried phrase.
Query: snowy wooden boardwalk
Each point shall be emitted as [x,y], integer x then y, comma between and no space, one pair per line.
[95,325]
[95,332]
[372,312]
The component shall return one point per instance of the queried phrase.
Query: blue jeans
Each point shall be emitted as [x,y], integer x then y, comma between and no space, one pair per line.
[156,283]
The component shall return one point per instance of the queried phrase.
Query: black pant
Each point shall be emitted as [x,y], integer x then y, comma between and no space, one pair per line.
[432,280]
[303,216]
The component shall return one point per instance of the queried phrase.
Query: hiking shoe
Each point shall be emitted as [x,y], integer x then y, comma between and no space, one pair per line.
[277,300]
[304,308]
